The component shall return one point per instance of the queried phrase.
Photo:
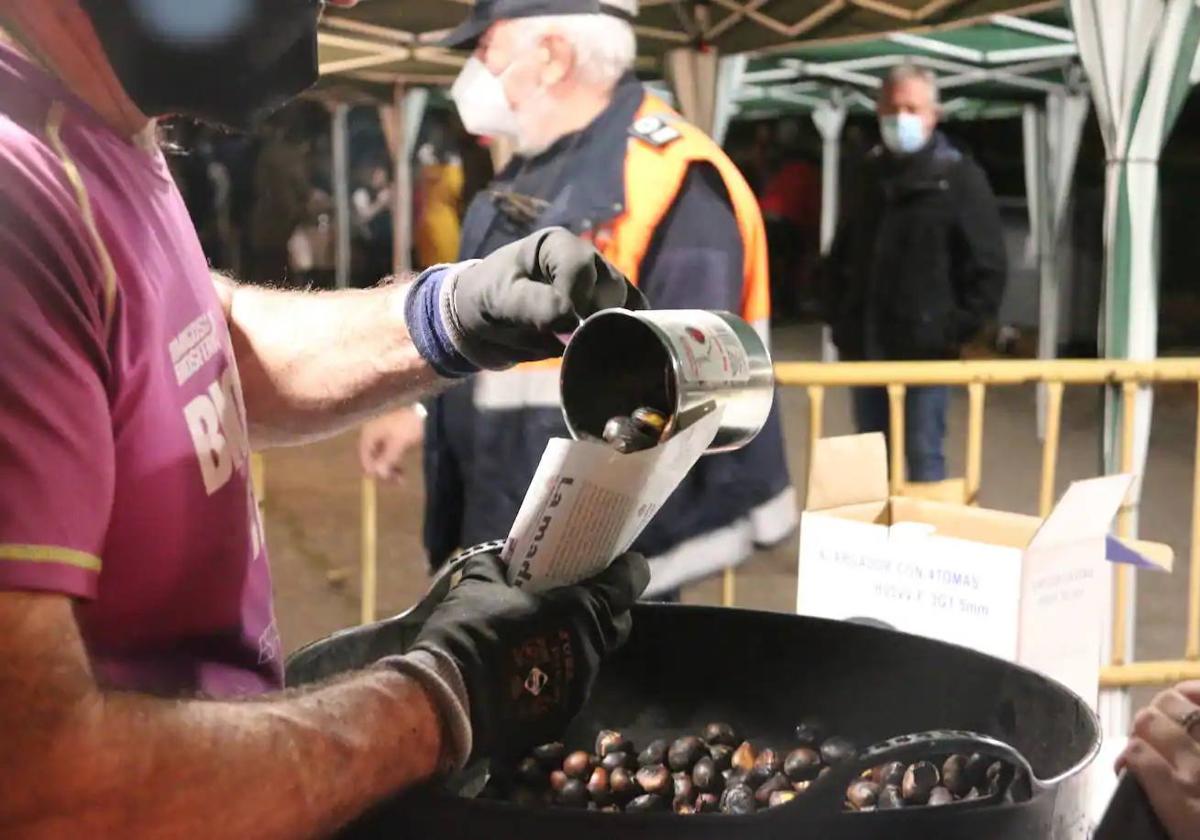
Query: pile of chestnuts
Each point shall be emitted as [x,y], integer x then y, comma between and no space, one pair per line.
[717,772]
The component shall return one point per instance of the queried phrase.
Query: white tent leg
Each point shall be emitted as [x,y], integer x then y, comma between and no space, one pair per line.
[693,77]
[414,104]
[1138,56]
[402,181]
[830,118]
[730,71]
[341,193]
[1041,237]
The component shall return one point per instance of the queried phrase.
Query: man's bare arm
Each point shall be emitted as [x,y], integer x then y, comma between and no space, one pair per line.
[315,363]
[80,761]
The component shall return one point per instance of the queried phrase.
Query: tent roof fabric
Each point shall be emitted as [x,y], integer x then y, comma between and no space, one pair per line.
[984,70]
[380,42]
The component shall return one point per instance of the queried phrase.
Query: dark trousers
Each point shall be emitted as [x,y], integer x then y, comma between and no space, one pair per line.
[924,425]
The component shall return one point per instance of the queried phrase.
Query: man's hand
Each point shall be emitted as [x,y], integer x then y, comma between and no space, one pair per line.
[512,306]
[1165,758]
[526,661]
[134,766]
[385,442]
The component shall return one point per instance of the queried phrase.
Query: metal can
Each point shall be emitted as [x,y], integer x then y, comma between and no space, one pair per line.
[684,363]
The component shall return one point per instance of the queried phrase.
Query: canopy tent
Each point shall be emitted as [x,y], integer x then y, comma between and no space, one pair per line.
[1141,59]
[380,49]
[1005,66]
[384,41]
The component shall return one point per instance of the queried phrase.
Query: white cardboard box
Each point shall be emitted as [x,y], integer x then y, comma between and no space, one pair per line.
[1027,590]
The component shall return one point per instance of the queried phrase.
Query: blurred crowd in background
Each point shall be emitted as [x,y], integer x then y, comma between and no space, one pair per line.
[264,203]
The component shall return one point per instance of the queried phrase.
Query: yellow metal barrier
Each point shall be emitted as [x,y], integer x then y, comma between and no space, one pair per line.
[977,376]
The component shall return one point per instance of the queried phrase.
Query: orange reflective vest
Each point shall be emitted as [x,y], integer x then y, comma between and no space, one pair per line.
[654,174]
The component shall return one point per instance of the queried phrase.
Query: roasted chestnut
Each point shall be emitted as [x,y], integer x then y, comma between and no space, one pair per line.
[597,786]
[743,757]
[623,785]
[802,764]
[999,776]
[683,786]
[611,741]
[766,764]
[706,776]
[733,777]
[889,798]
[780,797]
[862,793]
[976,769]
[707,803]
[919,779]
[646,802]
[891,773]
[654,753]
[738,799]
[614,760]
[655,779]
[624,435]
[550,755]
[682,806]
[685,752]
[722,756]
[940,796]
[954,775]
[578,765]
[574,794]
[774,784]
[720,734]
[557,780]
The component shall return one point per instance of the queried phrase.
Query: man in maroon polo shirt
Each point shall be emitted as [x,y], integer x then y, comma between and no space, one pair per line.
[135,602]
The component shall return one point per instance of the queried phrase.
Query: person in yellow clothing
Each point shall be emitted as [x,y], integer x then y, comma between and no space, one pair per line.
[600,156]
[440,187]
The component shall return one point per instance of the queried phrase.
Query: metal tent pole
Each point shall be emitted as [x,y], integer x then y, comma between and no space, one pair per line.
[1037,196]
[341,193]
[830,118]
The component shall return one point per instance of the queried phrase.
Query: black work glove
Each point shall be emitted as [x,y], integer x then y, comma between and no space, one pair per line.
[526,662]
[508,307]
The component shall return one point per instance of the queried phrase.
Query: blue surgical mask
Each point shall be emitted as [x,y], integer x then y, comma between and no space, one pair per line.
[903,134]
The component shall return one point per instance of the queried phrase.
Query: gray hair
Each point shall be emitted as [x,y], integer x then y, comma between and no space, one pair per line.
[604,45]
[906,71]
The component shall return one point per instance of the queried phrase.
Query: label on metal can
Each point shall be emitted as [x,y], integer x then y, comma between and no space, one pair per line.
[708,350]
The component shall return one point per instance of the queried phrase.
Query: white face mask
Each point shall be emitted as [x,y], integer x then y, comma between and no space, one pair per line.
[482,104]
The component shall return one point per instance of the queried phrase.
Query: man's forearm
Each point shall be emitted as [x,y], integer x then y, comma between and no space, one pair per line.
[315,363]
[132,766]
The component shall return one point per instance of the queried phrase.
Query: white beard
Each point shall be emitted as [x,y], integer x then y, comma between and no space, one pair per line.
[535,126]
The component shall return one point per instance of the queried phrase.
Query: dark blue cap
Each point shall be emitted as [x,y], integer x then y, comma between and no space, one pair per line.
[486,12]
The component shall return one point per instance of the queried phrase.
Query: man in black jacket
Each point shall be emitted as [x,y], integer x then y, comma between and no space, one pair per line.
[918,263]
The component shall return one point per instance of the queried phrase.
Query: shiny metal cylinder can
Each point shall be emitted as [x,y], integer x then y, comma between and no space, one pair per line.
[685,363]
